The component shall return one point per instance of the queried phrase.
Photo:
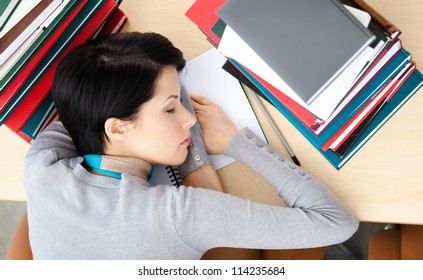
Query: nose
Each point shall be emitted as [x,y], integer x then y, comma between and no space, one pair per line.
[189,119]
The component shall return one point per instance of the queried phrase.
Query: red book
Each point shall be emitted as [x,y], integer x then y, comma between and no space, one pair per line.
[43,87]
[383,95]
[114,24]
[24,137]
[384,58]
[25,27]
[299,111]
[203,14]
[10,91]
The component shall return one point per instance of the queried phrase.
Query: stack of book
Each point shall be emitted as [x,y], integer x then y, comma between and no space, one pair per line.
[335,69]
[34,36]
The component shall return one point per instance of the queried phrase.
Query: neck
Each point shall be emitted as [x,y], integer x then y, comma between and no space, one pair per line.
[114,166]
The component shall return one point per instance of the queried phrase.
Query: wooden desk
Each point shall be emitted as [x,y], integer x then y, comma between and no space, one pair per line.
[383,182]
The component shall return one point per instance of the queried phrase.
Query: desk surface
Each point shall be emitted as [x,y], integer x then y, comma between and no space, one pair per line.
[383,182]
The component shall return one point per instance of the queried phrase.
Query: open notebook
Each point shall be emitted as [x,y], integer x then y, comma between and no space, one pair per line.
[204,76]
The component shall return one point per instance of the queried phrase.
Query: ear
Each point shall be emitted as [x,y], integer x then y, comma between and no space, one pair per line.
[115,129]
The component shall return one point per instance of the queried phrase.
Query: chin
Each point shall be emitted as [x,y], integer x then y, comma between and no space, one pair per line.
[181,160]
[177,159]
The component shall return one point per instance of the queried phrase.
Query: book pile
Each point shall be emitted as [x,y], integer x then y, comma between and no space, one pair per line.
[34,36]
[335,69]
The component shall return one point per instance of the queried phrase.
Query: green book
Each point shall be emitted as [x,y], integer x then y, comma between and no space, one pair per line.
[8,77]
[7,7]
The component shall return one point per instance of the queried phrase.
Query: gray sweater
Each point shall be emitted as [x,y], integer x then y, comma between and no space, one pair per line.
[74,214]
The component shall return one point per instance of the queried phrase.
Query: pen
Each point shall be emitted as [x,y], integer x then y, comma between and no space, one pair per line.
[272,123]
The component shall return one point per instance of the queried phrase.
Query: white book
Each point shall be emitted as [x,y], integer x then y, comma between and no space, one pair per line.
[308,43]
[32,27]
[24,7]
[233,46]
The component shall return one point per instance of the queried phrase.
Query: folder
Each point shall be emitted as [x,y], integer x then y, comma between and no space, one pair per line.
[39,83]
[7,7]
[203,13]
[358,122]
[405,92]
[370,85]
[16,36]
[316,39]
[15,77]
[21,55]
[41,117]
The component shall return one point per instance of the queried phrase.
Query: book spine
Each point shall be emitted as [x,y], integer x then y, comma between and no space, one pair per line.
[38,89]
[7,12]
[24,69]
[24,137]
[25,27]
[48,28]
[32,126]
[405,92]
[358,118]
[115,23]
[381,20]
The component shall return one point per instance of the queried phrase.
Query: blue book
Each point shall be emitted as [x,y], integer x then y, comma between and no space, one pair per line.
[40,117]
[71,32]
[388,72]
[404,93]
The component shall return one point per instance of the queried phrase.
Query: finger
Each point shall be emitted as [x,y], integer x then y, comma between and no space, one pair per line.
[197,106]
[200,99]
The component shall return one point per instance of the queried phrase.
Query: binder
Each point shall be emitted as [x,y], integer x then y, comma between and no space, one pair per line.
[19,73]
[400,58]
[44,114]
[326,37]
[204,15]
[23,30]
[364,115]
[389,71]
[7,7]
[20,11]
[405,92]
[39,84]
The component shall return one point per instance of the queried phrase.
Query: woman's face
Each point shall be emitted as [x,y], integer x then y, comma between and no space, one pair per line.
[161,132]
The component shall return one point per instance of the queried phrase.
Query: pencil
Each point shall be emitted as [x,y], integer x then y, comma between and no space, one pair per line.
[272,123]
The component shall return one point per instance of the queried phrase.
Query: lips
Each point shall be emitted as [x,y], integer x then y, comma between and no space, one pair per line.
[186,142]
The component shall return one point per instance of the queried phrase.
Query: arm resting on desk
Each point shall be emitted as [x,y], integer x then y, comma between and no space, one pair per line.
[314,216]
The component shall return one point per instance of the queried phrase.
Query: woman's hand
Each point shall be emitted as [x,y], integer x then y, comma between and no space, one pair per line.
[217,128]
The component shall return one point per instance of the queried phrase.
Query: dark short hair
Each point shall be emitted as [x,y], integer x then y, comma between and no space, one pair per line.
[109,77]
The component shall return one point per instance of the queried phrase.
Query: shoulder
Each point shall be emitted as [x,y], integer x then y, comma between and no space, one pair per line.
[51,146]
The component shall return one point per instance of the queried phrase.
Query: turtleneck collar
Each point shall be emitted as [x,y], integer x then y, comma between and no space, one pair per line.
[114,166]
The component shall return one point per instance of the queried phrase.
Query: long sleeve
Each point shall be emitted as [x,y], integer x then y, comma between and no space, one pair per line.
[314,216]
[197,153]
[54,139]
